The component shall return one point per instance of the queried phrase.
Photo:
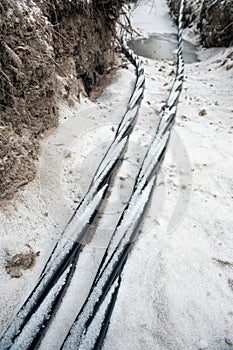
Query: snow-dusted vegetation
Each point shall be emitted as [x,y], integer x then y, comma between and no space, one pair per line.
[211,19]
[48,50]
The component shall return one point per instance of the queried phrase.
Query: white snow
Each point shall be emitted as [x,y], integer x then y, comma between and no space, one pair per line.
[25,338]
[126,231]
[155,18]
[91,335]
[175,293]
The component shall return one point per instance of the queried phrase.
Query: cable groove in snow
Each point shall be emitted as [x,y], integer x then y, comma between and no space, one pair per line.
[111,267]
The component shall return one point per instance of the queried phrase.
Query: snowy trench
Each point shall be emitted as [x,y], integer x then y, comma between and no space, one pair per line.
[29,324]
[175,290]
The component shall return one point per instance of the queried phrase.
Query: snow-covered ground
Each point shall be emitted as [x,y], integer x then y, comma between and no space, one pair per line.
[177,288]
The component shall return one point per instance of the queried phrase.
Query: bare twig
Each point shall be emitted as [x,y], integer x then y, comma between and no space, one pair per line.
[224,262]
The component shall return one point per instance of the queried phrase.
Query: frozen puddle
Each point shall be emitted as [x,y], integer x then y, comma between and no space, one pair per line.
[158,33]
[163,46]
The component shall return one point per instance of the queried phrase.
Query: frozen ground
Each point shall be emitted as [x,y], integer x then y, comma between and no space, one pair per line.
[177,289]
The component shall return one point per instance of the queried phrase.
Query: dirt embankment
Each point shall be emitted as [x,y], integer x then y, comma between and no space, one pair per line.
[47,48]
[213,20]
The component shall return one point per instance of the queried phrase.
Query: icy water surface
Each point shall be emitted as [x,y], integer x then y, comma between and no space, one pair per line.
[163,46]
